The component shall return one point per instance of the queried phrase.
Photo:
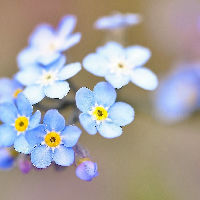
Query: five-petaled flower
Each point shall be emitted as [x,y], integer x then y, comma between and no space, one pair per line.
[121,65]
[53,141]
[101,113]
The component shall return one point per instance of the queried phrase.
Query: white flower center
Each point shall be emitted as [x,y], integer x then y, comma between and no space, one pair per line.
[48,78]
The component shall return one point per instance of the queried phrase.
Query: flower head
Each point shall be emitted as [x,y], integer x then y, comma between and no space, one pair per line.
[101,113]
[121,65]
[6,159]
[47,44]
[53,141]
[49,81]
[117,21]
[17,119]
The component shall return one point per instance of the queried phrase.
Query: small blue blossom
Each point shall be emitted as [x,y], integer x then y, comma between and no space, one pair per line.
[101,113]
[6,159]
[48,81]
[178,95]
[120,65]
[17,119]
[53,141]
[47,44]
[9,89]
[117,21]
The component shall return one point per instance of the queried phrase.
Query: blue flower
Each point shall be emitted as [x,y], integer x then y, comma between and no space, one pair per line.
[17,120]
[86,169]
[101,113]
[9,89]
[117,21]
[49,81]
[53,141]
[178,95]
[47,44]
[6,159]
[121,65]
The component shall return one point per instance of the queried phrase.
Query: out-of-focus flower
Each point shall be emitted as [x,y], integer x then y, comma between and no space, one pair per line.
[121,65]
[17,119]
[48,81]
[86,169]
[117,21]
[53,141]
[101,113]
[25,166]
[9,89]
[6,159]
[179,94]
[47,44]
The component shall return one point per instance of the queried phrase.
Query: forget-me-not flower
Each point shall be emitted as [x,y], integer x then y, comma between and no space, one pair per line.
[47,44]
[117,21]
[6,159]
[101,113]
[17,120]
[53,141]
[48,81]
[121,65]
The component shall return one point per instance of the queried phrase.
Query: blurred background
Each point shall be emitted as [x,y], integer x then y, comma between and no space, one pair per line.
[151,160]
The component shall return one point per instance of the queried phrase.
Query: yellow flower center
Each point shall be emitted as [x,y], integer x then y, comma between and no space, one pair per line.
[18,91]
[100,113]
[52,139]
[21,124]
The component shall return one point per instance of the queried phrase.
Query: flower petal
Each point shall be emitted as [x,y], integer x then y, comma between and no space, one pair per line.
[41,156]
[70,135]
[63,156]
[35,119]
[109,130]
[7,135]
[121,113]
[6,160]
[144,78]
[21,145]
[88,123]
[104,94]
[84,99]
[54,121]
[58,89]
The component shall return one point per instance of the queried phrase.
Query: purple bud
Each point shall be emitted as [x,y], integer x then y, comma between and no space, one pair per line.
[25,166]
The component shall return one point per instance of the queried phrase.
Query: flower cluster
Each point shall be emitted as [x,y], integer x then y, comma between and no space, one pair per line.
[33,141]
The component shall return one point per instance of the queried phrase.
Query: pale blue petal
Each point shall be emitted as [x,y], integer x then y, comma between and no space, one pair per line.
[34,93]
[63,156]
[121,113]
[21,145]
[109,130]
[54,121]
[69,71]
[88,123]
[144,78]
[58,89]
[48,58]
[57,64]
[84,99]
[104,94]
[8,113]
[41,156]
[7,135]
[70,135]
[35,119]
[96,64]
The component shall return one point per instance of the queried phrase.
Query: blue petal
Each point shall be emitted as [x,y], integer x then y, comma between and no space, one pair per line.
[54,121]
[70,135]
[34,93]
[109,130]
[144,78]
[57,64]
[96,64]
[84,99]
[58,89]
[88,123]
[41,156]
[48,57]
[35,136]
[104,94]
[7,135]
[6,160]
[21,145]
[69,71]
[24,106]
[35,119]
[63,156]
[121,113]
[8,113]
